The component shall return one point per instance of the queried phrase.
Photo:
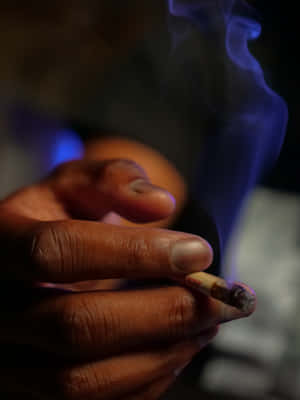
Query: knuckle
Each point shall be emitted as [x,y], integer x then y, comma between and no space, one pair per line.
[156,390]
[175,356]
[122,163]
[65,168]
[48,249]
[139,250]
[73,384]
[109,327]
[85,324]
[97,322]
[39,252]
[83,383]
[102,380]
[70,326]
[112,167]
[181,317]
[168,360]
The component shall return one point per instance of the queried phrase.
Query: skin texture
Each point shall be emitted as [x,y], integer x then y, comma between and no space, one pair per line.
[60,343]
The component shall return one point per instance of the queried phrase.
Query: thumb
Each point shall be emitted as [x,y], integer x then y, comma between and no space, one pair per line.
[89,189]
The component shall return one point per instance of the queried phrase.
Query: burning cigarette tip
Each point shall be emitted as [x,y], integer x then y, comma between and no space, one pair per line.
[242,297]
[234,294]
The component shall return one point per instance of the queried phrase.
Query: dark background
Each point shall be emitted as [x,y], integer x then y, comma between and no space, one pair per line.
[278,50]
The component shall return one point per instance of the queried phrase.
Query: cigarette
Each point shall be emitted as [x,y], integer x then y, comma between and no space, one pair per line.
[235,294]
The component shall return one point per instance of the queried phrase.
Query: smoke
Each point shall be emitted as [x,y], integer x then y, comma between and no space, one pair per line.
[250,118]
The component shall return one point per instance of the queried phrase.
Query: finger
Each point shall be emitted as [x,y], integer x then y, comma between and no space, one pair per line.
[70,251]
[153,391]
[107,379]
[91,189]
[74,251]
[160,170]
[92,326]
[124,374]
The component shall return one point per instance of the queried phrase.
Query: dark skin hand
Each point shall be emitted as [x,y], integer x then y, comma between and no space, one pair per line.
[124,344]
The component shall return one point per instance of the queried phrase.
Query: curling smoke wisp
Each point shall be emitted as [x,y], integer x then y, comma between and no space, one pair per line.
[251,118]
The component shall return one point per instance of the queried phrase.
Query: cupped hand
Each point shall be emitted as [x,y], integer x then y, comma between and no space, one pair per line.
[103,344]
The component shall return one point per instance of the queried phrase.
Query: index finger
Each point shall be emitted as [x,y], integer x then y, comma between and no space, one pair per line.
[70,251]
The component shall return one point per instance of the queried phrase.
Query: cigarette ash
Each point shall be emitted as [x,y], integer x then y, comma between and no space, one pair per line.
[236,296]
[241,298]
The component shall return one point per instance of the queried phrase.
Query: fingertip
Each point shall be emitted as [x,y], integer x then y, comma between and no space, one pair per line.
[209,254]
[142,202]
[163,202]
[191,254]
[141,186]
[207,336]
[166,199]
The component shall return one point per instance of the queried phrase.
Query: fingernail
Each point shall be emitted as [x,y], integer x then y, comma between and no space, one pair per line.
[141,186]
[201,341]
[190,255]
[178,371]
[231,314]
[206,338]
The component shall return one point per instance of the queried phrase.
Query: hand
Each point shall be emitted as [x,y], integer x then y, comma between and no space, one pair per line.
[125,344]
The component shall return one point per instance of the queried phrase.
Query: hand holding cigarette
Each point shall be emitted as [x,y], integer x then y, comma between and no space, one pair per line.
[137,339]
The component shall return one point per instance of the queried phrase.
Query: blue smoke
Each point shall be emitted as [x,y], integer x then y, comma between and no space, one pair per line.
[251,118]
